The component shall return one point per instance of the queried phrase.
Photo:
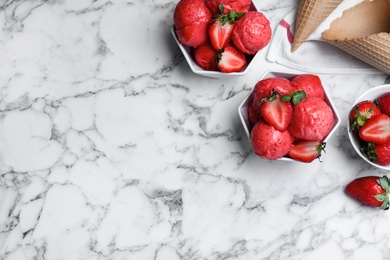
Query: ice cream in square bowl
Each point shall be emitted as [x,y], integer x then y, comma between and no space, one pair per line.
[289,117]
[220,38]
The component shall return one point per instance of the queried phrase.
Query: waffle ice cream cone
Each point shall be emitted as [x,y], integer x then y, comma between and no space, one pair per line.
[310,14]
[364,32]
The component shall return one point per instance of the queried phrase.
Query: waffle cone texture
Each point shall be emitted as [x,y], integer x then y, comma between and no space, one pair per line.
[364,32]
[310,14]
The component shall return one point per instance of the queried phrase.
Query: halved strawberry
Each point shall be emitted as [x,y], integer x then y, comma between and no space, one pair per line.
[276,112]
[361,112]
[221,28]
[230,60]
[383,103]
[376,130]
[307,151]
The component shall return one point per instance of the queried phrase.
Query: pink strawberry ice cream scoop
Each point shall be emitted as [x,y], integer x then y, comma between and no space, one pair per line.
[252,32]
[309,83]
[188,12]
[191,19]
[229,5]
[312,119]
[269,143]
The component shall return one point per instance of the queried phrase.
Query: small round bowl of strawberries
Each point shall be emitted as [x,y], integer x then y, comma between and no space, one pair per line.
[369,126]
[220,38]
[289,117]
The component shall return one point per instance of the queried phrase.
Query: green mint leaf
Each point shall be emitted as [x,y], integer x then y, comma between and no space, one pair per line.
[285,98]
[298,96]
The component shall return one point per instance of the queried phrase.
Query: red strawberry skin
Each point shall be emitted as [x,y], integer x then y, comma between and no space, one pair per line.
[376,130]
[231,60]
[361,113]
[306,151]
[309,83]
[364,189]
[277,113]
[206,57]
[378,153]
[264,87]
[384,103]
[269,143]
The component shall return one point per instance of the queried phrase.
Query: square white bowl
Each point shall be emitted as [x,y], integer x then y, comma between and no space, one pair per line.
[188,55]
[370,94]
[243,107]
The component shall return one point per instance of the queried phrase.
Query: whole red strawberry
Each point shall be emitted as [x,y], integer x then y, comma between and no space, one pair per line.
[361,112]
[377,153]
[383,103]
[371,191]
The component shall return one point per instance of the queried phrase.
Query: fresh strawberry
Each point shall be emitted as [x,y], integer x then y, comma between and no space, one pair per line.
[371,191]
[206,57]
[361,112]
[276,112]
[383,103]
[230,60]
[376,130]
[377,153]
[221,28]
[307,151]
[269,143]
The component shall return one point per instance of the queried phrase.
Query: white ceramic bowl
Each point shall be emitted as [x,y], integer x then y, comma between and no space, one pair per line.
[212,74]
[243,107]
[370,94]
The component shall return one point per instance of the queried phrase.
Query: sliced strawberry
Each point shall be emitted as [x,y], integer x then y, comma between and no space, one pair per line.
[376,130]
[361,112]
[276,112]
[307,151]
[383,103]
[206,57]
[231,60]
[221,29]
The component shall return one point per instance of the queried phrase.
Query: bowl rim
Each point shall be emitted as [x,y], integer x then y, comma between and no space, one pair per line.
[369,94]
[242,112]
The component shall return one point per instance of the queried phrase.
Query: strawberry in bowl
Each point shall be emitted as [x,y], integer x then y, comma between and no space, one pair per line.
[233,50]
[298,125]
[369,126]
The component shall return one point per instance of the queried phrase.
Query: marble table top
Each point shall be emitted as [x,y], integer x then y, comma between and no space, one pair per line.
[111,148]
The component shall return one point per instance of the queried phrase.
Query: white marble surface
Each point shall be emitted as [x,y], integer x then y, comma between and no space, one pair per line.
[111,148]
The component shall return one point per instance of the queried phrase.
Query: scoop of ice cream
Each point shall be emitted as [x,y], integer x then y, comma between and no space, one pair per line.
[229,5]
[263,88]
[269,143]
[312,119]
[188,12]
[309,83]
[191,19]
[193,35]
[252,32]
